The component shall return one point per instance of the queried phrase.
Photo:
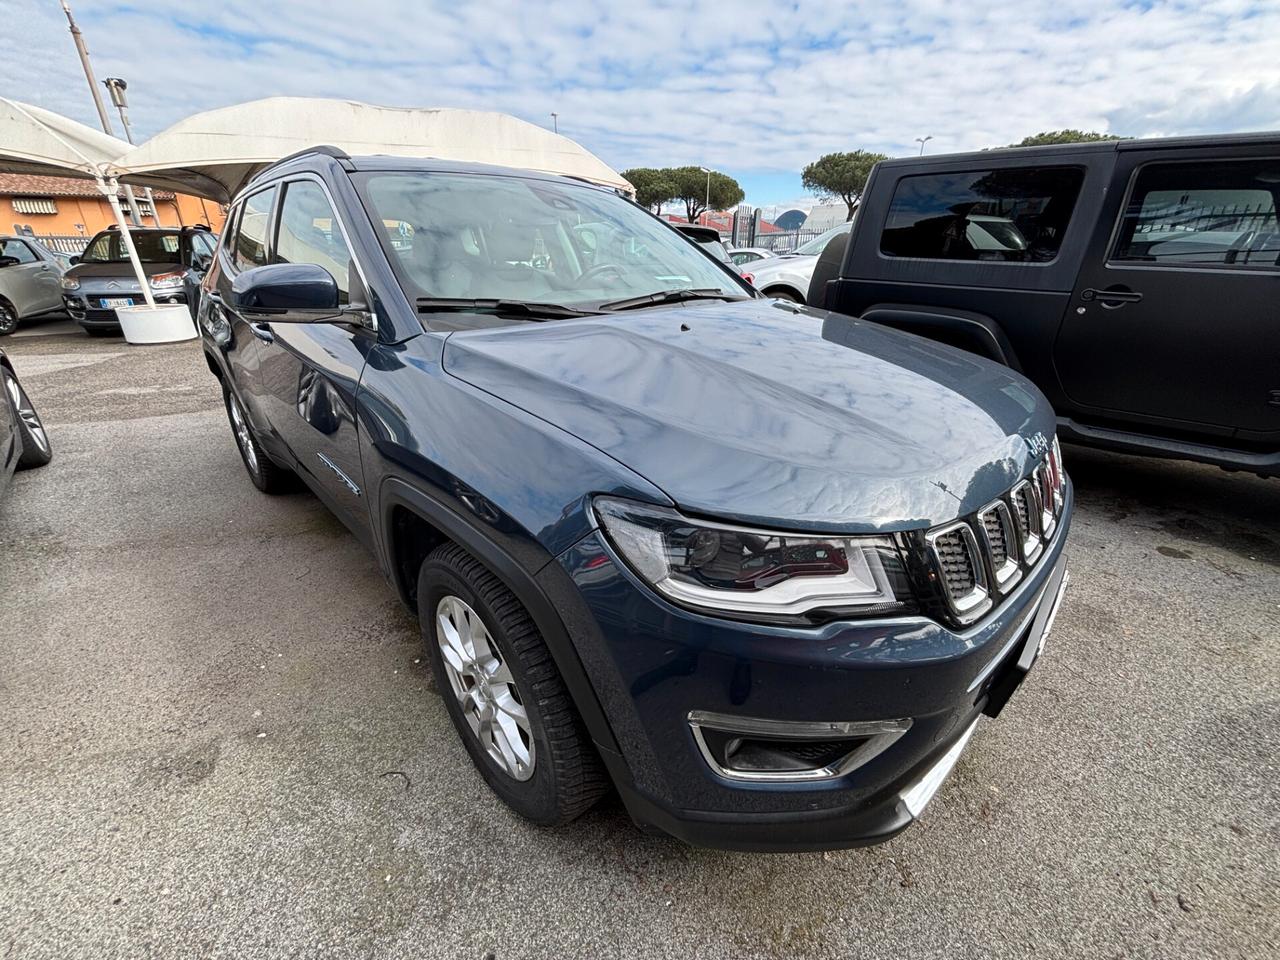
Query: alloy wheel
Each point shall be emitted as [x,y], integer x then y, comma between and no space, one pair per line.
[8,319]
[243,437]
[27,413]
[485,687]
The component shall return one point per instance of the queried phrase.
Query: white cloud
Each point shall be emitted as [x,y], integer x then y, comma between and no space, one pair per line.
[760,86]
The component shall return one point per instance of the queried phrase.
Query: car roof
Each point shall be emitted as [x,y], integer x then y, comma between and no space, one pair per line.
[1052,150]
[323,157]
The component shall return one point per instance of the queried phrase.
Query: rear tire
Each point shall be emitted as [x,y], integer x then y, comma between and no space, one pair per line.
[786,295]
[36,450]
[265,474]
[533,749]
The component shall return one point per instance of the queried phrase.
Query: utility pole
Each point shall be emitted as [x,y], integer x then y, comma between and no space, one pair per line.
[134,213]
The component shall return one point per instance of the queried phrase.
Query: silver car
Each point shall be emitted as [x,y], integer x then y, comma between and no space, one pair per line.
[30,281]
[787,276]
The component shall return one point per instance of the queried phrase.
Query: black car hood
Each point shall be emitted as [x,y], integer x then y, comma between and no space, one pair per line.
[773,414]
[84,271]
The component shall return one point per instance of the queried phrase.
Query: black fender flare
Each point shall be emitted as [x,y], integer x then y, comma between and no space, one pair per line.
[396,492]
[975,331]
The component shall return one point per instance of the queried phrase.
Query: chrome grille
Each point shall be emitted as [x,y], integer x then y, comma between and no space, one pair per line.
[978,559]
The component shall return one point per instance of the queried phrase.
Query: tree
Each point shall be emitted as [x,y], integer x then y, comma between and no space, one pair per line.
[841,175]
[653,187]
[691,188]
[1065,136]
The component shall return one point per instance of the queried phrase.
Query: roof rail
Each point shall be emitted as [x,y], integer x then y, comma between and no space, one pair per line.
[323,149]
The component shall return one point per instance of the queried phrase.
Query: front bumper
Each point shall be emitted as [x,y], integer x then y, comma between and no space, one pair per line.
[653,665]
[85,306]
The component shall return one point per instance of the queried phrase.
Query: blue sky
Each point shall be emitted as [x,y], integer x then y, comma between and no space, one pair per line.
[757,88]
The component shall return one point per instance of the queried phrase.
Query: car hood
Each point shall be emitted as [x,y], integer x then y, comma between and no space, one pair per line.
[88,271]
[774,414]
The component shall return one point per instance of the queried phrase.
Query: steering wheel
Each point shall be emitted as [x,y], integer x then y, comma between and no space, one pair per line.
[598,270]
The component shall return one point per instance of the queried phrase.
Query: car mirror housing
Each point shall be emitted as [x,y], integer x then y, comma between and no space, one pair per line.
[73,259]
[287,293]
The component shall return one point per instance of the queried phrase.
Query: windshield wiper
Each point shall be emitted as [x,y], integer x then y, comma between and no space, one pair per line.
[520,308]
[670,296]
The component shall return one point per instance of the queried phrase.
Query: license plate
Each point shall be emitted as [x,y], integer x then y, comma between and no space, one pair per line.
[110,303]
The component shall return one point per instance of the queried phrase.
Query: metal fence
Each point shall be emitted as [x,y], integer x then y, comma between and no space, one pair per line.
[1198,218]
[64,244]
[749,230]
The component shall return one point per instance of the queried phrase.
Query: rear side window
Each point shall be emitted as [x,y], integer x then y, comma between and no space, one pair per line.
[1203,214]
[251,236]
[1010,215]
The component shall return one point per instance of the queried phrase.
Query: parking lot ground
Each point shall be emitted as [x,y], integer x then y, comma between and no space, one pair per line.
[217,738]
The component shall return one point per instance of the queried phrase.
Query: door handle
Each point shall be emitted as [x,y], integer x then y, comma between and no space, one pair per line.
[262,332]
[1111,296]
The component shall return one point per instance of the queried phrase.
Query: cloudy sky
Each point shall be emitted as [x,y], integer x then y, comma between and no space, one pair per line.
[757,89]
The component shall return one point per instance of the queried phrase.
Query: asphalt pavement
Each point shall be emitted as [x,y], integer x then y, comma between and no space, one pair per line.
[218,737]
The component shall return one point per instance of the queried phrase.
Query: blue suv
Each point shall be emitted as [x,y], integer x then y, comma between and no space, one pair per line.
[759,567]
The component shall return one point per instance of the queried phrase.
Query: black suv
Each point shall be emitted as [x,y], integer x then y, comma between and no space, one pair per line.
[761,567]
[174,259]
[1135,282]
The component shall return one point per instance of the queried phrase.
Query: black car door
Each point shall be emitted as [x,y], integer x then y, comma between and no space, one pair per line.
[244,246]
[1173,317]
[309,372]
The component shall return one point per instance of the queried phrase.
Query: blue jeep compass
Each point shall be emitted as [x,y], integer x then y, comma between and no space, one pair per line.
[759,567]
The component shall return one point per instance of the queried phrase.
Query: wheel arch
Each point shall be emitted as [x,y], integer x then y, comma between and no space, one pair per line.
[783,287]
[970,331]
[413,523]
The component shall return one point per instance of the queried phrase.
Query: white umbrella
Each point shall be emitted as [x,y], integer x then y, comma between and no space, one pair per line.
[36,141]
[214,154]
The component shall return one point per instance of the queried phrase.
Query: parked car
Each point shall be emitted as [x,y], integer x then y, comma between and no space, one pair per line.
[23,441]
[1134,282]
[29,282]
[744,255]
[101,279]
[786,276]
[759,567]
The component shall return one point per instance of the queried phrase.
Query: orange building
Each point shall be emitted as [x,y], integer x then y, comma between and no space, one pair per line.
[69,208]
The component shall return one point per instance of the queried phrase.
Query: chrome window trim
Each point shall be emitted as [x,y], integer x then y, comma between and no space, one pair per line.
[881,735]
[977,601]
[1010,572]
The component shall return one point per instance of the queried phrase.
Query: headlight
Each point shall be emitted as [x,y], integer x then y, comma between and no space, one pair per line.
[166,281]
[70,283]
[751,574]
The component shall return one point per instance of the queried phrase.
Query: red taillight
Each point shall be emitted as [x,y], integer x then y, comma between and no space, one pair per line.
[749,278]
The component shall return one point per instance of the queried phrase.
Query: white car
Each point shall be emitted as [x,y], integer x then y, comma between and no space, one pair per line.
[744,255]
[787,276]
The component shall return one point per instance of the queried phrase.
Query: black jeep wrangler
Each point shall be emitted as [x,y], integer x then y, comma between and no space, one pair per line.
[1136,282]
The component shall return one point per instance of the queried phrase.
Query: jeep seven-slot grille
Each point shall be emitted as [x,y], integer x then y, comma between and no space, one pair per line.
[979,558]
[957,563]
[995,539]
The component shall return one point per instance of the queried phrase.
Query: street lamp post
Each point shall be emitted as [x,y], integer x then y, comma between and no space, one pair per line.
[706,208]
[922,141]
[555,123]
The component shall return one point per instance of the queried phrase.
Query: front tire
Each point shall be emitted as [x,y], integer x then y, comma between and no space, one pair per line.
[36,450]
[781,294]
[503,692]
[8,318]
[265,474]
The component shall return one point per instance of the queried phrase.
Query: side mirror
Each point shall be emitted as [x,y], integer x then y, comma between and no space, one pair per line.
[286,293]
[73,259]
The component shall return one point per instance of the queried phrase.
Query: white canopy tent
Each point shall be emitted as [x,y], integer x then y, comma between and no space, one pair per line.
[36,141]
[214,154]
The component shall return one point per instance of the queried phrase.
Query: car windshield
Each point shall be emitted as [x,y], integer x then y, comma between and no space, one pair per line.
[470,236]
[814,247]
[152,248]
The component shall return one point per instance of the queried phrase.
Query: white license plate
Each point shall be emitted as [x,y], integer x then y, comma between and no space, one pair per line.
[110,303]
